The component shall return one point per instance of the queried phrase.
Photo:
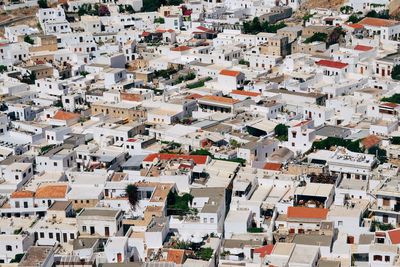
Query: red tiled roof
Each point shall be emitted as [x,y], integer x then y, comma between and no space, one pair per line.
[180,48]
[307,213]
[220,99]
[377,22]
[272,166]
[132,140]
[332,64]
[204,29]
[22,194]
[63,115]
[176,256]
[145,34]
[194,96]
[198,159]
[355,25]
[264,250]
[389,105]
[301,123]
[245,93]
[51,191]
[363,48]
[370,141]
[232,73]
[164,30]
[394,236]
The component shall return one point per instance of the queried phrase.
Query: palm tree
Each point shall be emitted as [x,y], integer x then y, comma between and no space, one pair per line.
[133,195]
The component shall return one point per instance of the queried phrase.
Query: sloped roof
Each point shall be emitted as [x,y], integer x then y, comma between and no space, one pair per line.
[51,191]
[245,93]
[22,194]
[198,159]
[307,213]
[370,141]
[219,99]
[63,115]
[332,64]
[377,22]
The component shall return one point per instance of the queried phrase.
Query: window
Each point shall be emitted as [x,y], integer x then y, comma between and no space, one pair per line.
[51,235]
[55,163]
[387,258]
[340,223]
[9,248]
[84,228]
[204,220]
[377,258]
[211,220]
[41,234]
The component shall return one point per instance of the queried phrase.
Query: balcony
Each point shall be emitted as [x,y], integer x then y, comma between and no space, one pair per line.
[388,209]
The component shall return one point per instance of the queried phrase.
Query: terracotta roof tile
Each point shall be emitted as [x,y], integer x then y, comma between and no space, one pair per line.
[332,64]
[264,250]
[232,73]
[63,115]
[204,29]
[145,34]
[363,48]
[176,255]
[245,93]
[272,166]
[198,159]
[51,191]
[22,194]
[355,25]
[307,213]
[394,236]
[370,141]
[194,96]
[377,22]
[180,48]
[219,99]
[389,105]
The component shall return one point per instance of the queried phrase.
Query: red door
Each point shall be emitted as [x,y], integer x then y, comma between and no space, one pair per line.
[119,257]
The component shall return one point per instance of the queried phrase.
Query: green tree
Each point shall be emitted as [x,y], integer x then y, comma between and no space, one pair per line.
[83,73]
[346,9]
[395,140]
[335,36]
[395,74]
[133,195]
[379,153]
[17,258]
[202,152]
[393,99]
[159,20]
[121,9]
[205,254]
[129,9]
[317,37]
[281,132]
[354,18]
[256,25]
[43,4]
[384,14]
[29,40]
[3,68]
